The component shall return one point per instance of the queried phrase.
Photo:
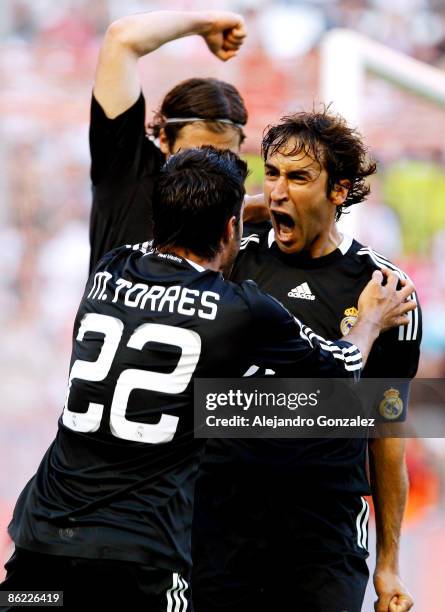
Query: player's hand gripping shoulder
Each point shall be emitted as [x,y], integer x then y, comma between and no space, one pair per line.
[384,305]
[224,34]
[380,306]
[392,594]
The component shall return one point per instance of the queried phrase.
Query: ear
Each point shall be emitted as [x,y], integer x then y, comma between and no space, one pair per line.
[340,191]
[229,230]
[164,145]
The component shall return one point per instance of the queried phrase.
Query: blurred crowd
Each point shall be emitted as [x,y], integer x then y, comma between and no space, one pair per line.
[284,27]
[48,53]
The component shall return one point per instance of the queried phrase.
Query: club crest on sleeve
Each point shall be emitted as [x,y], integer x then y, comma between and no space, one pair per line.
[391,406]
[349,320]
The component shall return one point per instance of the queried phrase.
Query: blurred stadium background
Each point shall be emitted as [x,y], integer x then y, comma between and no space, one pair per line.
[48,51]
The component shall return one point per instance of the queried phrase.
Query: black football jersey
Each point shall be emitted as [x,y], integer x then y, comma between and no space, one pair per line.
[323,292]
[118,480]
[124,163]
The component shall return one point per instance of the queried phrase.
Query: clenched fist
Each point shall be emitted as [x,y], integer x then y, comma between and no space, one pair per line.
[225,35]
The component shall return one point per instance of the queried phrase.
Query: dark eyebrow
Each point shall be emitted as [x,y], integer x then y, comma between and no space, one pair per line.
[300,171]
[306,174]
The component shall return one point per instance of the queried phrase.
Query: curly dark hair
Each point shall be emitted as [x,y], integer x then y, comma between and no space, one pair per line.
[327,138]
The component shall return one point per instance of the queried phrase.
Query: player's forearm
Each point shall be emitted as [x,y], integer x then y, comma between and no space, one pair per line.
[363,335]
[143,33]
[117,84]
[389,485]
[255,210]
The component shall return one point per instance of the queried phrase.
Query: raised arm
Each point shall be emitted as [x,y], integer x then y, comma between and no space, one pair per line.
[117,85]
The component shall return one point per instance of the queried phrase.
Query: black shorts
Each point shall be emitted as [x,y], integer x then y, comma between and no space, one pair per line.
[94,584]
[260,545]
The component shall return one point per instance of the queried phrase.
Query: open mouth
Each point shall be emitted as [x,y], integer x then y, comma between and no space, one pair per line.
[284,225]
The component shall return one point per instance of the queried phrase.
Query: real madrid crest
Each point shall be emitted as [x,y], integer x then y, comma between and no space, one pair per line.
[391,406]
[349,320]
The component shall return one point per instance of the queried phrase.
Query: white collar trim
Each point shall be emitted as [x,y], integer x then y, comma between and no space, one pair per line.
[345,244]
[195,265]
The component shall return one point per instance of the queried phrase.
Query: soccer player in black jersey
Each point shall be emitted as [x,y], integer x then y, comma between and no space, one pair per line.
[283,524]
[107,517]
[198,111]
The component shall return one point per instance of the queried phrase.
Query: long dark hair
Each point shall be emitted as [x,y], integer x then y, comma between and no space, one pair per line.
[207,98]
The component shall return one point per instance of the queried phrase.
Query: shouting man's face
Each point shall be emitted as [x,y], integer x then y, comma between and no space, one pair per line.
[302,211]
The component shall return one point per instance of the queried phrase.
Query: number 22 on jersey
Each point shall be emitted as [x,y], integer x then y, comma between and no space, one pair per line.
[172,383]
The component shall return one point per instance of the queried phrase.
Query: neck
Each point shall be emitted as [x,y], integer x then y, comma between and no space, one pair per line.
[209,264]
[325,243]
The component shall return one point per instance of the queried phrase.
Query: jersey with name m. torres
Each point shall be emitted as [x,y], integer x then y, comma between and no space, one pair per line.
[118,480]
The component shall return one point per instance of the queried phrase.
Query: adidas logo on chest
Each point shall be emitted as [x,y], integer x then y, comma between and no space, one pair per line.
[302,292]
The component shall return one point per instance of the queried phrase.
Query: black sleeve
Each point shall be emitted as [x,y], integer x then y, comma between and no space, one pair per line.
[246,264]
[258,228]
[394,360]
[116,144]
[124,166]
[282,342]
